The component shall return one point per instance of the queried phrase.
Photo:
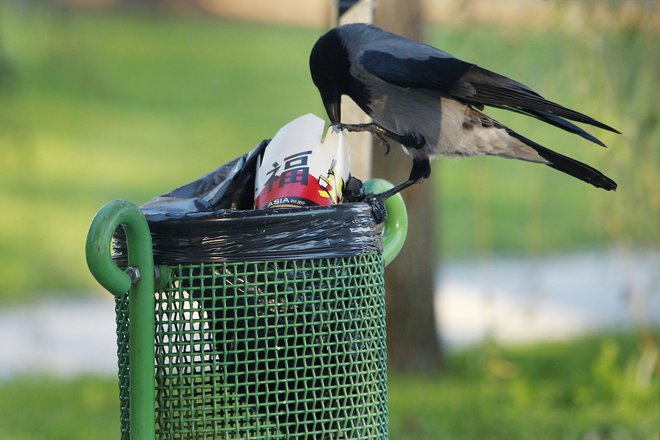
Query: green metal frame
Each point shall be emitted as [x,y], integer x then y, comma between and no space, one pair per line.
[396,223]
[137,281]
[139,286]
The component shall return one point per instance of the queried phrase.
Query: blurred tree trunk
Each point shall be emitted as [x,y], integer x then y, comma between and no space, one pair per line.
[161,4]
[412,342]
[5,66]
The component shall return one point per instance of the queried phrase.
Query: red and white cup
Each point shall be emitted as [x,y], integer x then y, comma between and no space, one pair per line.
[299,169]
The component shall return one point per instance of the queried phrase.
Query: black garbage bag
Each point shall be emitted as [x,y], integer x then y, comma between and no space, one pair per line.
[230,186]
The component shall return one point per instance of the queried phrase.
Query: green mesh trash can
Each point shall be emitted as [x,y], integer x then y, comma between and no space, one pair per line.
[249,346]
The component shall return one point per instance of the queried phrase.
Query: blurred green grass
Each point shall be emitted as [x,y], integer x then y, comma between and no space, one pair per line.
[106,105]
[584,389]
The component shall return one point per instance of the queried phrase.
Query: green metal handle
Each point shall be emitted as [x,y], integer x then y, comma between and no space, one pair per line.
[99,242]
[140,288]
[396,223]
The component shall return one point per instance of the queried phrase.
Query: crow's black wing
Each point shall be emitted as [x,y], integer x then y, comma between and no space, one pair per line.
[482,86]
[471,84]
[435,73]
[556,121]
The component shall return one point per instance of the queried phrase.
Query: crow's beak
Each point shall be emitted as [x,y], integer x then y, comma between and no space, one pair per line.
[333,107]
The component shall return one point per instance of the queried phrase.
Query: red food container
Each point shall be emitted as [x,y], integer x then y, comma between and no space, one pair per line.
[299,169]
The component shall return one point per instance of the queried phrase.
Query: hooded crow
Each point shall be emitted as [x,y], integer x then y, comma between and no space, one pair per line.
[431,103]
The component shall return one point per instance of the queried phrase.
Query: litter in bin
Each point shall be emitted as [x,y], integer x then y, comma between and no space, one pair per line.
[212,218]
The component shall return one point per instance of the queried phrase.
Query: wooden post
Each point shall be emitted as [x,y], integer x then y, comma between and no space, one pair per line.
[412,341]
[356,11]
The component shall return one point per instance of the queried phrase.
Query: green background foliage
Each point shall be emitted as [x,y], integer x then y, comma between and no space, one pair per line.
[98,106]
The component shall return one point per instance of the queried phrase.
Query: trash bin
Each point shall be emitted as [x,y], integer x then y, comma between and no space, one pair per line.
[287,342]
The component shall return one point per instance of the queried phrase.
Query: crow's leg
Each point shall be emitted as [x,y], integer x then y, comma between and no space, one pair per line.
[408,140]
[421,170]
[372,128]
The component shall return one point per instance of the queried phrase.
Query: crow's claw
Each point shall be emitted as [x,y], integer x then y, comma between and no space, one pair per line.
[384,142]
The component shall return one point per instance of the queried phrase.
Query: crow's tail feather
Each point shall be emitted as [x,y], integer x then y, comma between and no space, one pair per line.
[569,166]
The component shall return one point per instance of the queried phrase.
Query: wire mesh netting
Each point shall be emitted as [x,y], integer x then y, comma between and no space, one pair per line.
[268,349]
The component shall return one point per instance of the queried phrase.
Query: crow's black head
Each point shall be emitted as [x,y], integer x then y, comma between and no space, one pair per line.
[329,65]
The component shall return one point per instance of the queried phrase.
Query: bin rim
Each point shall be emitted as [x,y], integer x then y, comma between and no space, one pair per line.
[227,215]
[336,231]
